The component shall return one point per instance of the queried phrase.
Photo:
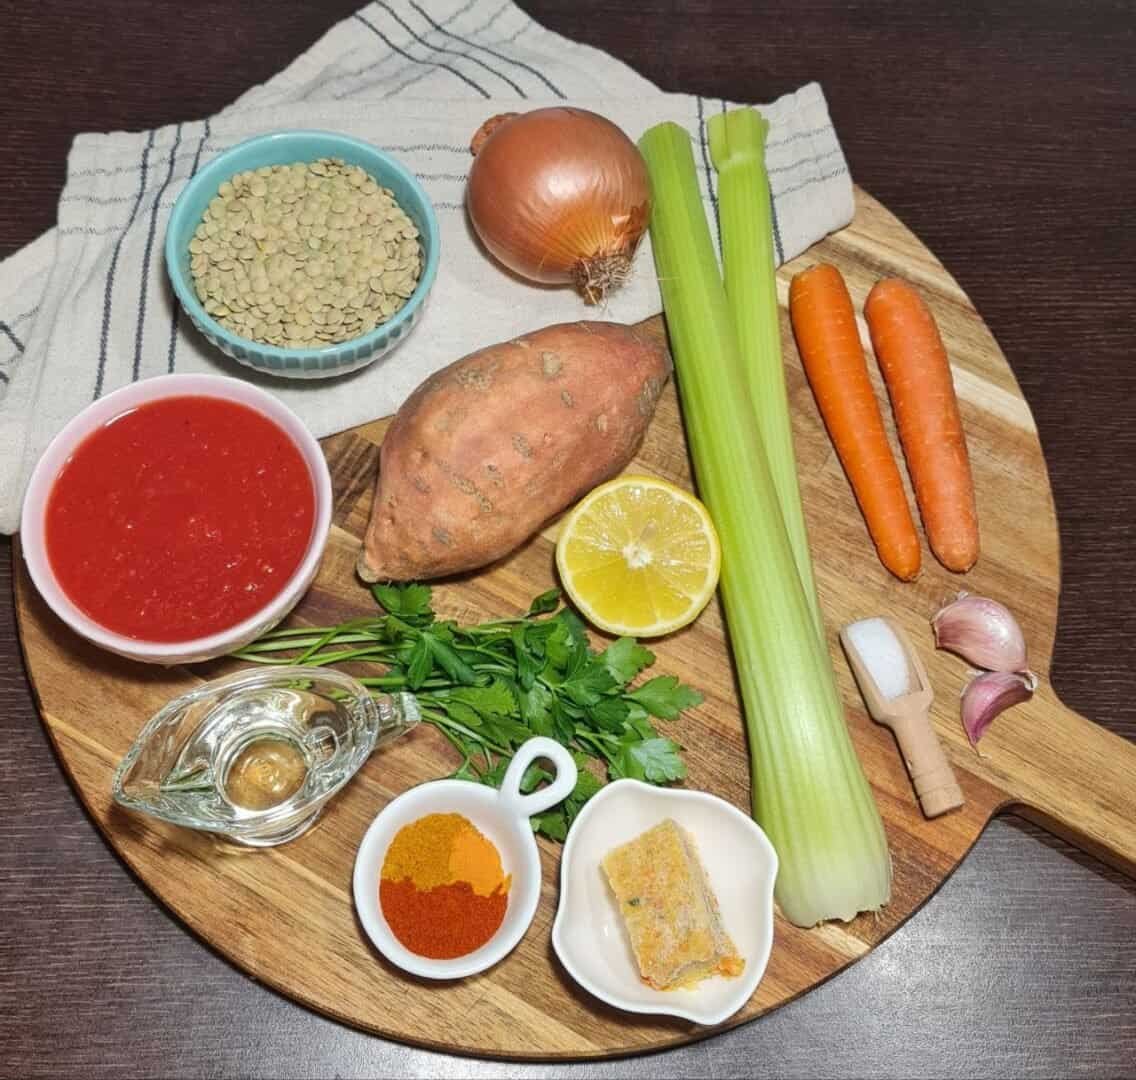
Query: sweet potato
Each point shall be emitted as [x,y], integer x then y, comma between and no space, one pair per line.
[486,450]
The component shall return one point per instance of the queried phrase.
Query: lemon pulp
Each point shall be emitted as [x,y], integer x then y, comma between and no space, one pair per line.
[639,556]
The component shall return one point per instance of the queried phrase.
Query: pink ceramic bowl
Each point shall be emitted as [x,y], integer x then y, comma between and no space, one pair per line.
[97,414]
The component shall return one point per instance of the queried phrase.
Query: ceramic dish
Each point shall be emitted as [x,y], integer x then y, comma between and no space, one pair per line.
[114,404]
[503,817]
[282,148]
[589,936]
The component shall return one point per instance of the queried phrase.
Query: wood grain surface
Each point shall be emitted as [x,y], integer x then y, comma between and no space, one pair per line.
[1022,964]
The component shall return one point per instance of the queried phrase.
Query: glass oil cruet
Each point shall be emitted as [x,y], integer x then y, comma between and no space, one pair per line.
[255,756]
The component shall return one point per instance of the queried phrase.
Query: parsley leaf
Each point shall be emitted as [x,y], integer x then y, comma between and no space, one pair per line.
[533,778]
[610,714]
[563,723]
[536,708]
[496,699]
[546,602]
[447,658]
[460,711]
[625,658]
[665,697]
[587,785]
[659,760]
[419,663]
[589,684]
[566,649]
[638,720]
[528,664]
[655,760]
[552,823]
[411,602]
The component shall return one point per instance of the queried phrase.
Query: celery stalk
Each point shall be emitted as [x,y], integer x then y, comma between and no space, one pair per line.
[737,149]
[809,793]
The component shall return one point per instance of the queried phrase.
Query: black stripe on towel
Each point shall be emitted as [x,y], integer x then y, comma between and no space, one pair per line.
[177,303]
[485,48]
[812,133]
[108,295]
[820,178]
[140,329]
[709,171]
[440,49]
[391,45]
[7,331]
[776,228]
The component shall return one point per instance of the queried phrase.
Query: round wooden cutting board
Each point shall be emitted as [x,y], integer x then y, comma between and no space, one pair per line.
[285,915]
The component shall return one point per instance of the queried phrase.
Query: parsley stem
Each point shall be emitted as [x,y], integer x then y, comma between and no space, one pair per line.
[457,745]
[442,720]
[496,669]
[359,625]
[594,740]
[399,682]
[256,658]
[482,651]
[298,641]
[372,652]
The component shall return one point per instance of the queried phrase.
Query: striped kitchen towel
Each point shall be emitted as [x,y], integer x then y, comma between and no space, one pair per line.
[86,308]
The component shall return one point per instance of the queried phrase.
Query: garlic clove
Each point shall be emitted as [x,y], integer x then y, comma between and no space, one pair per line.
[982,631]
[991,694]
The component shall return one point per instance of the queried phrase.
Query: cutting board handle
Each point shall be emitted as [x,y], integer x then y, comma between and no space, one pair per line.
[1079,780]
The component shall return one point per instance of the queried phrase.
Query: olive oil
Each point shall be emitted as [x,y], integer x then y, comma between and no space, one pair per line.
[265,773]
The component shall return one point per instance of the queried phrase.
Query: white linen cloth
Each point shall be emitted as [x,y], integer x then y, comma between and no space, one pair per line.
[87,307]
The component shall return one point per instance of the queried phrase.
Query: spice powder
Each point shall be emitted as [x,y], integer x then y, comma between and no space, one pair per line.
[443,890]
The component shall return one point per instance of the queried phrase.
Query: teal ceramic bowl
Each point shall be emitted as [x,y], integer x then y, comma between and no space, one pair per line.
[283,148]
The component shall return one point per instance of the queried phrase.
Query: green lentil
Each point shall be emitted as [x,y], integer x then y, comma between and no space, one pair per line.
[304,255]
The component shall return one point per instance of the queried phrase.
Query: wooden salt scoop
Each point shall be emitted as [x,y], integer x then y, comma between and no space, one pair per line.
[908,714]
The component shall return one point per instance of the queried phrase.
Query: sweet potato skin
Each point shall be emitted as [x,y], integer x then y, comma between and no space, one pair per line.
[486,450]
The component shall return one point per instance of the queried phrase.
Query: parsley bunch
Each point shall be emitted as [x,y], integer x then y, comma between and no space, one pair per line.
[491,687]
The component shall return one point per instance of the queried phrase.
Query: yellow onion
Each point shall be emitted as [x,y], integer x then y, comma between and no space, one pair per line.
[559,196]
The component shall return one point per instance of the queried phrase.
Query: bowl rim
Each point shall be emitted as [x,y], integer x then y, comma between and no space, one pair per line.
[754,964]
[83,424]
[220,169]
[430,797]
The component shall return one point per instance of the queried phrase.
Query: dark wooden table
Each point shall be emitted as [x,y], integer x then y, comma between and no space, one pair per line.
[1002,134]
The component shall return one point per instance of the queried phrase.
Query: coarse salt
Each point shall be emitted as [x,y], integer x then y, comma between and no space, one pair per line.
[884,656]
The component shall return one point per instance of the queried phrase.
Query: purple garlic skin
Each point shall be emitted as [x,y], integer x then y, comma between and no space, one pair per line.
[990,694]
[982,631]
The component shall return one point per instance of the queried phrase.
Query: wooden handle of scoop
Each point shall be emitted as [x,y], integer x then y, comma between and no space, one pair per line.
[931,773]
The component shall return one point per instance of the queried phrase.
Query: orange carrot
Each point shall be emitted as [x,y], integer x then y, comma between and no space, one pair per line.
[918,376]
[825,326]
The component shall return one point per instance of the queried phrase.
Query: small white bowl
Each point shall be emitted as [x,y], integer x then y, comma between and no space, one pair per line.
[589,936]
[503,817]
[106,408]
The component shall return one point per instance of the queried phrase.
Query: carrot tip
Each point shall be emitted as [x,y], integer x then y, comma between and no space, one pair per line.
[903,570]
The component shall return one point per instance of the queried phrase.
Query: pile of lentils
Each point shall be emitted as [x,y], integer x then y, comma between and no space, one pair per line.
[304,255]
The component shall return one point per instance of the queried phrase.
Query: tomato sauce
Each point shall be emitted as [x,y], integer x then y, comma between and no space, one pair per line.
[179,518]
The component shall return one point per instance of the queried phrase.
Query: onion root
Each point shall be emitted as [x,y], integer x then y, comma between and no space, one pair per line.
[594,278]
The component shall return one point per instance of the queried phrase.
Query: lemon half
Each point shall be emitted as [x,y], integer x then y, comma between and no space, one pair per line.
[639,556]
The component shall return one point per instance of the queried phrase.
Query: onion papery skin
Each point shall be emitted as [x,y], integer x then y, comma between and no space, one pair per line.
[559,196]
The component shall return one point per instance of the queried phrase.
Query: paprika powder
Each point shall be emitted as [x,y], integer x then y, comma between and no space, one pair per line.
[443,891]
